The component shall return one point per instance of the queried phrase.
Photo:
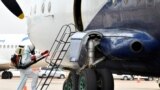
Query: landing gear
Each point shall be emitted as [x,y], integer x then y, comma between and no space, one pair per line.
[87,80]
[67,85]
[104,79]
[7,75]
[90,79]
[71,83]
[10,75]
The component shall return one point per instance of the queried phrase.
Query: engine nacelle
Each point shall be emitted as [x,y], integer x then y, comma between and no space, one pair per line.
[119,44]
[128,44]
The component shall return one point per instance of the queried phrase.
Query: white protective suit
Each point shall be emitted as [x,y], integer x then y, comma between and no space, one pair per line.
[26,73]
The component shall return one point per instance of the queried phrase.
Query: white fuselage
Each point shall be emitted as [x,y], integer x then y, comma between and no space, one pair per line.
[46,17]
[8,45]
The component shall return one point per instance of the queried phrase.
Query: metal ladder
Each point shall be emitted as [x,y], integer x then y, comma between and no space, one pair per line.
[59,47]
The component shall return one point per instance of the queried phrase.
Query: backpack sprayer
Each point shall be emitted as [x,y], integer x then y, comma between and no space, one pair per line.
[16,58]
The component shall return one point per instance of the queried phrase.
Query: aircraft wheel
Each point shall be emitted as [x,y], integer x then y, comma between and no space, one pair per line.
[87,80]
[104,79]
[67,85]
[5,75]
[125,78]
[71,83]
[10,75]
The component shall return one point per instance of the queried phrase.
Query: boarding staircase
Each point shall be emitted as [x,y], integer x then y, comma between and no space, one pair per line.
[58,51]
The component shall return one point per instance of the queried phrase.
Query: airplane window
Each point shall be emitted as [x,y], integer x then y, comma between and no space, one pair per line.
[4,46]
[7,46]
[35,9]
[11,46]
[43,7]
[49,7]
[16,46]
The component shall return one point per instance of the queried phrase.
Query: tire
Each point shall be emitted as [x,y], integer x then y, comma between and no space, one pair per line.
[71,83]
[87,80]
[132,78]
[104,79]
[62,76]
[44,76]
[67,85]
[5,75]
[150,78]
[10,75]
[125,78]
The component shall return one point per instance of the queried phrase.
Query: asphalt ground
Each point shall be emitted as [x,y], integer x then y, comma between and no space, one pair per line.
[11,84]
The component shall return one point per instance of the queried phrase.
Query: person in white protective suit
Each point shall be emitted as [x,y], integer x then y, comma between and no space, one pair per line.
[27,56]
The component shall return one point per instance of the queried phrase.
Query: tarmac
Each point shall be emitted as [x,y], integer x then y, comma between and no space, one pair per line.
[56,84]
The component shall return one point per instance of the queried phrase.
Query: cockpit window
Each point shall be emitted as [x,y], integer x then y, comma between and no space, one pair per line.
[49,7]
[43,7]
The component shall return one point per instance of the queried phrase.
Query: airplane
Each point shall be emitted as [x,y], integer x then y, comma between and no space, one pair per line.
[115,36]
[8,45]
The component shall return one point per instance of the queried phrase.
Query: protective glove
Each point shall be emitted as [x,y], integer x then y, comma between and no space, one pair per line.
[33,58]
[45,53]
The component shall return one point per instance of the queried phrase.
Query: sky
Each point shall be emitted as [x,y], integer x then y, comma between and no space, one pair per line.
[10,24]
